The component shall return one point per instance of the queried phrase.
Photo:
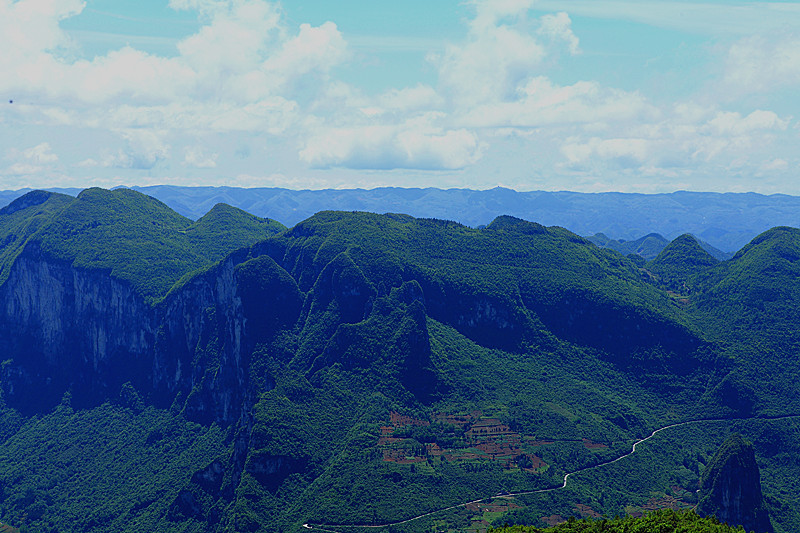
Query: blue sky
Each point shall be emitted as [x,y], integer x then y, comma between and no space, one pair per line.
[586,95]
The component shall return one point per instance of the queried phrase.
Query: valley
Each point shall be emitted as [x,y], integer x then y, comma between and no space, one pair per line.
[679,498]
[232,374]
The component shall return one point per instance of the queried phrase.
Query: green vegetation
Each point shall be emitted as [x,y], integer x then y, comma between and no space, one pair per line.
[132,236]
[665,521]
[731,487]
[23,218]
[363,369]
[111,468]
[678,261]
[647,247]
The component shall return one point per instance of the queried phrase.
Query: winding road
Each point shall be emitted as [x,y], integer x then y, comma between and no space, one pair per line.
[322,527]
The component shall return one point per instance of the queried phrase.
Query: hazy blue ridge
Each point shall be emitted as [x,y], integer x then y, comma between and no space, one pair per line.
[726,221]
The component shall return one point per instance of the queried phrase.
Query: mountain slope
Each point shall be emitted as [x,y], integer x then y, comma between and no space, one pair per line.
[680,260]
[648,246]
[135,237]
[357,369]
[21,219]
[727,221]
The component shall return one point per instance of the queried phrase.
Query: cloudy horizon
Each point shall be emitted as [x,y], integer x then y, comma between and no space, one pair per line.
[629,96]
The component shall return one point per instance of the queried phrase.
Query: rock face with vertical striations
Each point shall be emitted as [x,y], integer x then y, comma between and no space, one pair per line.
[731,487]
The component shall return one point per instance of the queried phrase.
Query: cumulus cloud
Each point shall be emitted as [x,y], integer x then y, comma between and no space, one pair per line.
[411,98]
[41,154]
[144,149]
[417,144]
[31,28]
[269,115]
[503,50]
[558,28]
[687,138]
[760,63]
[233,42]
[243,54]
[33,160]
[627,153]
[731,123]
[242,71]
[249,74]
[493,60]
[540,102]
[197,157]
[489,13]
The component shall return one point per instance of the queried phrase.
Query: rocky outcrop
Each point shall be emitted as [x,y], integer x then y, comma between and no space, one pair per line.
[70,328]
[730,487]
[89,333]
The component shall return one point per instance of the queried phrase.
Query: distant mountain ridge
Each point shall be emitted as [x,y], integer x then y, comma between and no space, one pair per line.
[650,246]
[726,221]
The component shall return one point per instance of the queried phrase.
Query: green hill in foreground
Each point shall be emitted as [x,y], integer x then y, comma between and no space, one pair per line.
[663,521]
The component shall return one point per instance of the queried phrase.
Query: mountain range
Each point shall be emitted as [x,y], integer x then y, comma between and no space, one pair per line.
[726,221]
[228,373]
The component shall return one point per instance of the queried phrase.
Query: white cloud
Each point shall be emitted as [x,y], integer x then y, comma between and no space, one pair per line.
[197,157]
[685,140]
[542,103]
[730,123]
[411,98]
[125,73]
[30,28]
[273,116]
[558,28]
[243,55]
[33,160]
[41,154]
[89,163]
[627,153]
[206,7]
[266,82]
[23,169]
[233,42]
[418,144]
[714,18]
[490,13]
[775,164]
[494,60]
[144,149]
[313,49]
[760,63]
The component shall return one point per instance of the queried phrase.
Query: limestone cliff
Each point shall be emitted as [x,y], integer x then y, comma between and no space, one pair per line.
[731,487]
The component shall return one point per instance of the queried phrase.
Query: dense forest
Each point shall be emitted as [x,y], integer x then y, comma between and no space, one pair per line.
[664,521]
[232,374]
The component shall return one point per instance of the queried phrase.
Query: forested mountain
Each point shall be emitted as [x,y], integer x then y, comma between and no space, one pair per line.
[726,221]
[230,374]
[649,246]
[664,521]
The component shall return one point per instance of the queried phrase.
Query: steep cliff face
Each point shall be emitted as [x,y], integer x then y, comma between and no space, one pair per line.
[199,348]
[731,487]
[83,331]
[67,328]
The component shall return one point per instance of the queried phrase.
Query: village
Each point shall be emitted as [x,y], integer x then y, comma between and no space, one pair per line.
[484,439]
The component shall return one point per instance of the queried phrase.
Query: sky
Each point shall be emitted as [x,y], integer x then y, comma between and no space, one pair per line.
[585,95]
